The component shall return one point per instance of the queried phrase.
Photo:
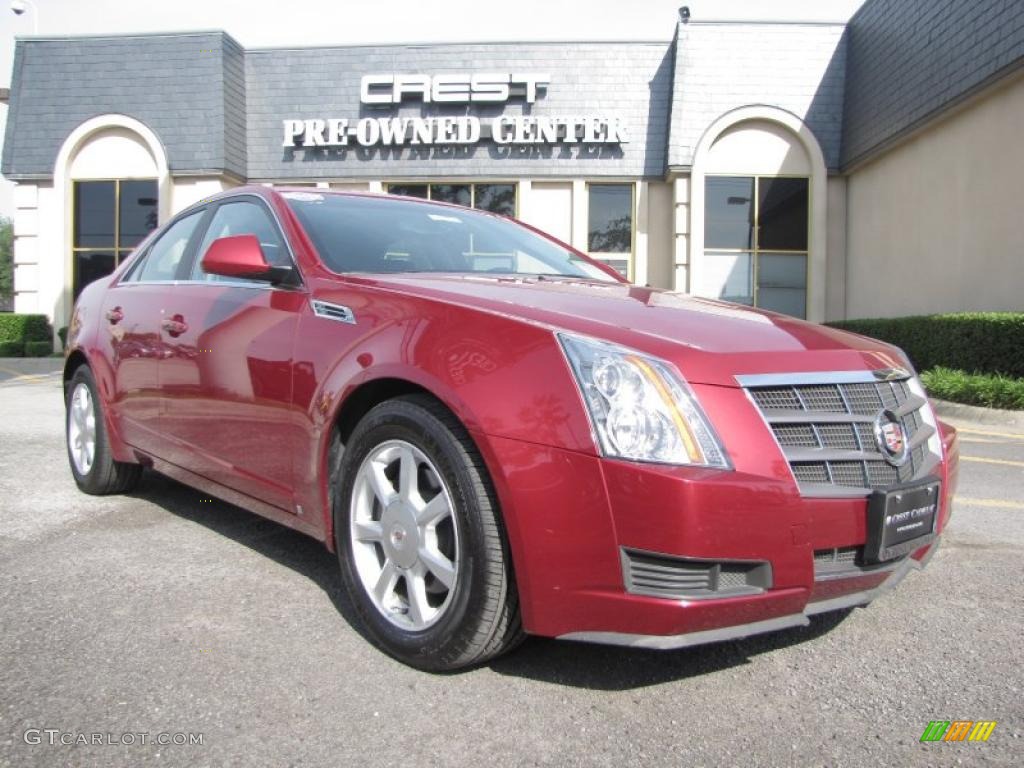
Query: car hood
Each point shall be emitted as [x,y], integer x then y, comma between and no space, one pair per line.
[711,342]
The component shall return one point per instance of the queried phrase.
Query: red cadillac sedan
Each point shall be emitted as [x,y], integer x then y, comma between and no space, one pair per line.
[498,435]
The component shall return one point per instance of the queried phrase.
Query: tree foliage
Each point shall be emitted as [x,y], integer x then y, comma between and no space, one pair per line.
[6,263]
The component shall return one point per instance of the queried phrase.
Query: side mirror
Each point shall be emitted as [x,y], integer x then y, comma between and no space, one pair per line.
[242,256]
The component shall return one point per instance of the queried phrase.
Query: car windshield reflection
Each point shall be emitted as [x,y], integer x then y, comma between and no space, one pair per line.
[365,234]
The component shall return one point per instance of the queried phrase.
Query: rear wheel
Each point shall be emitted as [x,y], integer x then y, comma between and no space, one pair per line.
[422,550]
[92,465]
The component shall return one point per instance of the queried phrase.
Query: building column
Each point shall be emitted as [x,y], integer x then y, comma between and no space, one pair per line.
[26,249]
[641,262]
[681,231]
[580,225]
[523,189]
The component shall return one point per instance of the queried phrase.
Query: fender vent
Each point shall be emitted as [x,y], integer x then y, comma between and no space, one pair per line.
[332,311]
[648,573]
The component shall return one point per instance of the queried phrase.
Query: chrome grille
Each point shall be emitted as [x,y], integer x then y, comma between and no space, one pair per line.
[840,436]
[824,424]
[823,398]
[863,399]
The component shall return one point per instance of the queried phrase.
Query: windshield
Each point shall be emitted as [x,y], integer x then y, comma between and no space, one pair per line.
[367,234]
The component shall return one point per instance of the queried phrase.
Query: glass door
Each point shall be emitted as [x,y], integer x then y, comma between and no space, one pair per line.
[755,240]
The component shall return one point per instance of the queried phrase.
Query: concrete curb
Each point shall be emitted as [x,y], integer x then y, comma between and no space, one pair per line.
[991,416]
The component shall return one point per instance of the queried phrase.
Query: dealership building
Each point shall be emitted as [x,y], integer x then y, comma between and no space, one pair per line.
[827,171]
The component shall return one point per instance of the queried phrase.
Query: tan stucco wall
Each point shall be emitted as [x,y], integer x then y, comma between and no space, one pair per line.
[835,270]
[660,253]
[934,225]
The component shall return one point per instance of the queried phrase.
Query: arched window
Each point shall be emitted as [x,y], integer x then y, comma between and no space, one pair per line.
[114,173]
[758,217]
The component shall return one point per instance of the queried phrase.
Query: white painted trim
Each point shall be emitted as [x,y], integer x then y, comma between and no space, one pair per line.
[580,212]
[641,227]
[817,239]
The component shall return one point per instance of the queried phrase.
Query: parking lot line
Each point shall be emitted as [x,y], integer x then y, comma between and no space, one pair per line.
[28,378]
[999,503]
[1007,462]
[991,433]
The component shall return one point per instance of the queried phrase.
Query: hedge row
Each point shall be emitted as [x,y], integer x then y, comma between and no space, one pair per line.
[977,342]
[985,389]
[25,335]
[14,327]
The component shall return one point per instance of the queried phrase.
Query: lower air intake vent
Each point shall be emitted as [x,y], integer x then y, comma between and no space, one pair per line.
[844,562]
[648,573]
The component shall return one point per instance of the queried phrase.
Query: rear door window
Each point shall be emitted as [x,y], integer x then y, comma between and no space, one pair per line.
[163,258]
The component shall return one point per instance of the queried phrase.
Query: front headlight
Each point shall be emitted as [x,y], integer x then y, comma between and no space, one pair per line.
[640,407]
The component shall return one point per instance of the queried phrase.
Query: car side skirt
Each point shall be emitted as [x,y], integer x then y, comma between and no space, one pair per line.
[237,498]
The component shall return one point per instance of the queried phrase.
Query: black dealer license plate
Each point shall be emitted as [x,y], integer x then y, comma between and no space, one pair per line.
[901,519]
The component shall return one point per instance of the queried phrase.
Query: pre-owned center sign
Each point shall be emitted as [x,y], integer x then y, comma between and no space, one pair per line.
[471,88]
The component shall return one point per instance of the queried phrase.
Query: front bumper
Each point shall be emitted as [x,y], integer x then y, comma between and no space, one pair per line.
[686,640]
[567,541]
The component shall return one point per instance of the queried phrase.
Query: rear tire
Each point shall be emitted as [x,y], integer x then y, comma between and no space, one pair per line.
[92,465]
[420,541]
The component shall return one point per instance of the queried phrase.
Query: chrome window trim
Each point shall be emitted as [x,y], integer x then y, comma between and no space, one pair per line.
[255,285]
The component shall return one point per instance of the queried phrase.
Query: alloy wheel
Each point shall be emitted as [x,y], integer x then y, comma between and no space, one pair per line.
[82,429]
[404,536]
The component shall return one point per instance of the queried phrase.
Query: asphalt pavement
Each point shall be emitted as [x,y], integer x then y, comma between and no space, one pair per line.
[164,612]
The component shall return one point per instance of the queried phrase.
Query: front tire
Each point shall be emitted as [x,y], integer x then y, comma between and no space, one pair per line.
[92,465]
[421,546]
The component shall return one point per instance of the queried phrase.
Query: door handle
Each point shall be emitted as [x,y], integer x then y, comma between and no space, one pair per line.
[175,325]
[115,315]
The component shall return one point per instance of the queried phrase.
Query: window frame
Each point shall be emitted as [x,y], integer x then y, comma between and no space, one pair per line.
[756,250]
[472,184]
[188,259]
[135,272]
[603,257]
[120,253]
[192,254]
[132,275]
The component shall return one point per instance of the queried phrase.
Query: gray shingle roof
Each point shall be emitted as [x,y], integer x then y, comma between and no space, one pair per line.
[724,66]
[910,59]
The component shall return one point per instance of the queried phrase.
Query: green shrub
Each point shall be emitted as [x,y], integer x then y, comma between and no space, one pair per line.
[983,342]
[22,328]
[990,390]
[12,348]
[38,348]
